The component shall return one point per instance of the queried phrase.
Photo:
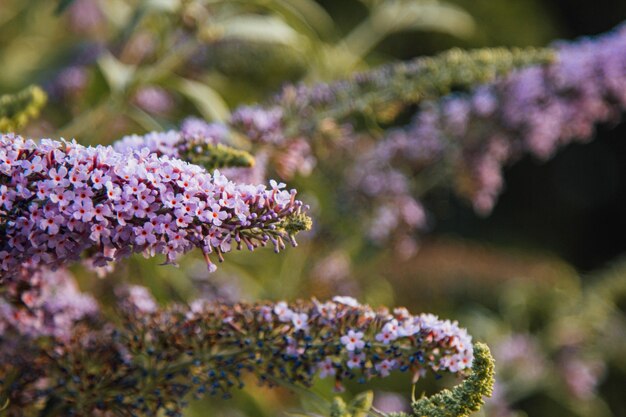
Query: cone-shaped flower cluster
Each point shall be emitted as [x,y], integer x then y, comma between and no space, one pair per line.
[60,199]
[464,139]
[383,92]
[159,356]
[340,339]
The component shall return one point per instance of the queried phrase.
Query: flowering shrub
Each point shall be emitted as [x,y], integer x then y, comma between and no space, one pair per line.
[368,149]
[60,199]
[468,124]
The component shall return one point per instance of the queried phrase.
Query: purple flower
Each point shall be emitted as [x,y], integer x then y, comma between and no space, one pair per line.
[118,203]
[263,125]
[299,321]
[353,340]
[154,100]
[50,305]
[385,367]
[196,129]
[326,368]
[467,138]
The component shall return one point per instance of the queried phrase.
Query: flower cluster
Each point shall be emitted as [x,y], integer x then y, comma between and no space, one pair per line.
[43,303]
[207,144]
[385,91]
[259,124]
[60,199]
[464,139]
[197,142]
[340,339]
[160,355]
[301,113]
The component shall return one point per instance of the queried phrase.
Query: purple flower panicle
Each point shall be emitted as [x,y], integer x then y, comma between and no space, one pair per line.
[59,200]
[207,349]
[463,140]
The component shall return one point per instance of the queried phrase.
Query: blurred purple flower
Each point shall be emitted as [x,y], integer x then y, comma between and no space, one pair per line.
[155,100]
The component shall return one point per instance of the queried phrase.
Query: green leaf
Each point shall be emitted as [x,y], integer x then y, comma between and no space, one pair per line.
[260,29]
[208,101]
[117,74]
[362,404]
[395,16]
[311,13]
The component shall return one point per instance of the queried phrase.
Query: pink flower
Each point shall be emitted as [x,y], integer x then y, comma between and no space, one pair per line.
[51,224]
[326,368]
[83,211]
[145,234]
[215,215]
[283,312]
[299,321]
[57,176]
[355,360]
[6,197]
[385,367]
[353,340]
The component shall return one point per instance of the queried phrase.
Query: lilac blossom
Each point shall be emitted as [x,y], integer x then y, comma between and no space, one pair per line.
[154,100]
[195,128]
[464,140]
[85,16]
[259,124]
[80,199]
[175,143]
[207,348]
[40,303]
[353,340]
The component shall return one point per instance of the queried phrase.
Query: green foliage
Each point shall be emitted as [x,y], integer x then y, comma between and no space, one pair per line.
[464,399]
[17,109]
[358,407]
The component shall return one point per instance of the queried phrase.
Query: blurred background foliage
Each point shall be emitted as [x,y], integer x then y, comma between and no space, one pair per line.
[540,280]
